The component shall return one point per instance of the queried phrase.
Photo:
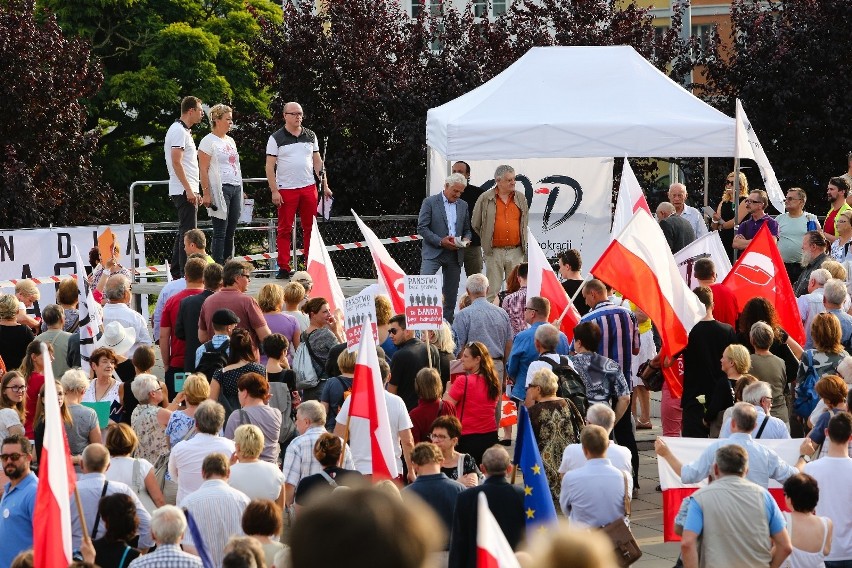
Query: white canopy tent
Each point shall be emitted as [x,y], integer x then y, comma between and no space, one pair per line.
[559,102]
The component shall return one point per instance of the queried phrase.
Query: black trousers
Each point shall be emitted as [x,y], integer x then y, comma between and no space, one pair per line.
[623,434]
[187,219]
[692,424]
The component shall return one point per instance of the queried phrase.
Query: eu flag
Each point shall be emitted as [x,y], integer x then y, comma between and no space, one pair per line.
[538,503]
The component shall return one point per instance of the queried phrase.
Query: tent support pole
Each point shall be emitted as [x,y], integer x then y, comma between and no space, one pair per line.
[706,180]
[428,177]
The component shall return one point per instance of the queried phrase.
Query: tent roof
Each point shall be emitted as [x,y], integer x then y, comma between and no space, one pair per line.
[559,102]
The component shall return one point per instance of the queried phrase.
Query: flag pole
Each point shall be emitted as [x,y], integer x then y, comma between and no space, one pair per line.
[736,194]
[82,518]
[558,321]
[345,441]
[428,348]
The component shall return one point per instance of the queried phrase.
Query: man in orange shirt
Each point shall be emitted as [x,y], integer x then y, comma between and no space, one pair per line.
[500,217]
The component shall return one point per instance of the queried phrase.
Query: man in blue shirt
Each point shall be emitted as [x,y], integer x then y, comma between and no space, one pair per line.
[18,503]
[433,486]
[524,349]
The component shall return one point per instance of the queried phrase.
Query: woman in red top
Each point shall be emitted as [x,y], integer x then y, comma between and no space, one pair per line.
[428,386]
[32,369]
[475,394]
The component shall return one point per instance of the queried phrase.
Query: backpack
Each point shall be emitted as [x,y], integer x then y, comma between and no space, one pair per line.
[806,395]
[305,366]
[570,385]
[213,359]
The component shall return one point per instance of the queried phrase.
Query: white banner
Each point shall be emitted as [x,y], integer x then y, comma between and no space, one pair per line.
[709,246]
[27,253]
[570,199]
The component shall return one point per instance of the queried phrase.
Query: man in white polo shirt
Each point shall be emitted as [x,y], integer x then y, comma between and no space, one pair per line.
[182,163]
[292,159]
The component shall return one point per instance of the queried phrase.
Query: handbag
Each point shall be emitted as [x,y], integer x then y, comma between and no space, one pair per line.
[168,486]
[139,487]
[627,550]
[652,377]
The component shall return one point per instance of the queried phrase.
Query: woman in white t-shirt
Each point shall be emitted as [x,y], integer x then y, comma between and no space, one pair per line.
[221,181]
[257,479]
[138,473]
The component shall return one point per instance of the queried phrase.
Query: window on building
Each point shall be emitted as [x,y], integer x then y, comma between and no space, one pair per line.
[499,7]
[480,8]
[703,33]
[435,7]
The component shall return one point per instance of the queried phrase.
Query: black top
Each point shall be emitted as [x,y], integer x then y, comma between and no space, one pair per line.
[728,212]
[701,366]
[722,399]
[127,372]
[109,553]
[186,326]
[407,361]
[283,137]
[331,367]
[316,485]
[13,344]
[570,287]
[470,194]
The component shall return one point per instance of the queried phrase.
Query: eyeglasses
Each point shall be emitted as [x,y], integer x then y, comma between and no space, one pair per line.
[392,331]
[792,199]
[296,114]
[18,388]
[14,457]
[248,276]
[438,437]
[752,201]
[729,182]
[531,310]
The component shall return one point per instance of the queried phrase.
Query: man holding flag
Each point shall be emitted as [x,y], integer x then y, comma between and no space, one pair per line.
[19,498]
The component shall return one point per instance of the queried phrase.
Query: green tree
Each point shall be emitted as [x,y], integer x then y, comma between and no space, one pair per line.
[46,170]
[154,52]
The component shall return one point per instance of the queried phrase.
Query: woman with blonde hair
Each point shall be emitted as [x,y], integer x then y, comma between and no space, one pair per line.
[442,339]
[384,312]
[840,246]
[181,424]
[730,212]
[14,337]
[735,362]
[271,302]
[221,181]
[149,419]
[85,428]
[136,472]
[294,295]
[476,394]
[256,478]
[67,420]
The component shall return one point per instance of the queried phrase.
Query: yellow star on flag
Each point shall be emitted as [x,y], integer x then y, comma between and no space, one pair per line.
[530,513]
[527,490]
[536,469]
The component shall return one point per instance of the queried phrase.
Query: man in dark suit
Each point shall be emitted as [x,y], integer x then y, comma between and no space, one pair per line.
[444,224]
[472,252]
[677,230]
[505,500]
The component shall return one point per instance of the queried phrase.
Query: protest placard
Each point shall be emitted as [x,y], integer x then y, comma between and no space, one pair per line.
[359,309]
[423,302]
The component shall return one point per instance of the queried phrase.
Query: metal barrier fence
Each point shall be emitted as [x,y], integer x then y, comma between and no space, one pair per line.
[259,236]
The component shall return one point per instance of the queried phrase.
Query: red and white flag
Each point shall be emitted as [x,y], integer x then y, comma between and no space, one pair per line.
[631,199]
[760,271]
[640,265]
[367,402]
[542,281]
[391,276]
[322,272]
[492,548]
[687,450]
[52,529]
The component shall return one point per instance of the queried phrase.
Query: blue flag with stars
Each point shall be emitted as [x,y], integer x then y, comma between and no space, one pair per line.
[538,503]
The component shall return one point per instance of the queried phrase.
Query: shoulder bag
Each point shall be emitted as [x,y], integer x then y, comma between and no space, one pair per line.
[627,550]
[161,470]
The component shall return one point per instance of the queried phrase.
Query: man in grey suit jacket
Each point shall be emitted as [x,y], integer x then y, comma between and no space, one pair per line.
[443,221]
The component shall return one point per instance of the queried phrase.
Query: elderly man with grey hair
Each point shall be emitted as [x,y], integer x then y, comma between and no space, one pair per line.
[299,459]
[677,197]
[117,293]
[764,463]
[811,304]
[168,525]
[484,322]
[500,217]
[833,298]
[766,427]
[187,456]
[92,484]
[573,457]
[677,230]
[444,224]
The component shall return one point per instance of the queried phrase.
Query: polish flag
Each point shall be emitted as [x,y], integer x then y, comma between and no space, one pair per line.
[52,531]
[391,276]
[631,199]
[367,402]
[492,548]
[322,272]
[760,271]
[688,450]
[542,281]
[639,264]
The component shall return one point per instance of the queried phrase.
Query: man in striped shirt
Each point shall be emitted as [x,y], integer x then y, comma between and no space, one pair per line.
[619,342]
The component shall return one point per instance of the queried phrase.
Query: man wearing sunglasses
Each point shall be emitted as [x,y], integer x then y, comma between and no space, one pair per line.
[756,207]
[18,503]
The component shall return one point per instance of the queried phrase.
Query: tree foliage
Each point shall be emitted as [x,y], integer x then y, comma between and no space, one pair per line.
[46,170]
[152,54]
[366,74]
[789,63]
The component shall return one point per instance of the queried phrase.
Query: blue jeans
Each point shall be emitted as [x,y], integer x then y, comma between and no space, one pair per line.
[223,229]
[838,564]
